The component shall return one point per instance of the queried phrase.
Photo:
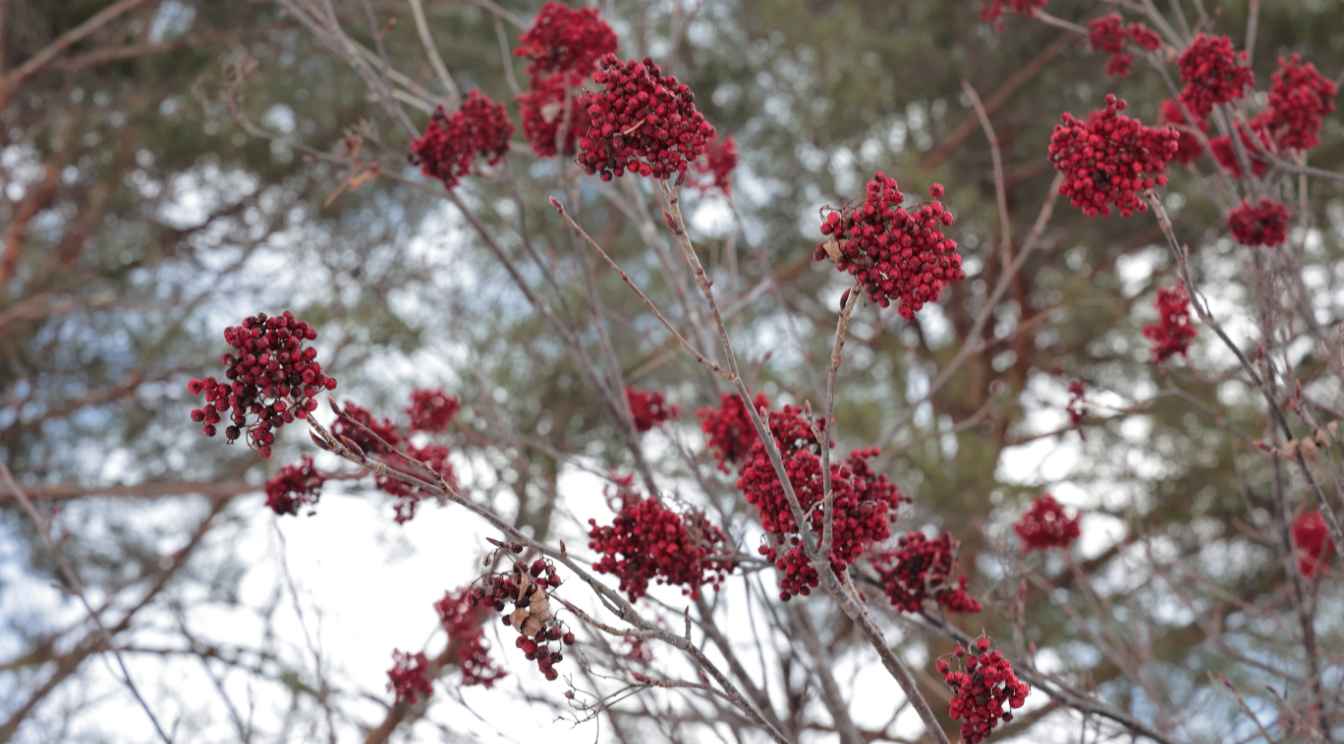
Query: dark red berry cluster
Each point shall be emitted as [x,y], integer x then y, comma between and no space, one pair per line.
[1109,35]
[564,40]
[523,595]
[1173,331]
[895,253]
[409,677]
[294,487]
[552,116]
[982,683]
[647,541]
[1046,525]
[1188,146]
[1214,72]
[994,9]
[432,410]
[729,428]
[641,121]
[1265,223]
[1110,158]
[1300,98]
[433,457]
[719,161]
[464,622]
[450,144]
[1226,154]
[1311,537]
[919,569]
[1077,405]
[356,425]
[648,408]
[864,502]
[272,378]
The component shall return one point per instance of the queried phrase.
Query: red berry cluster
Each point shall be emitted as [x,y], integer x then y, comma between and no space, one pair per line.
[920,569]
[1110,35]
[729,428]
[638,651]
[1110,158]
[1300,98]
[642,121]
[993,9]
[1046,525]
[648,408]
[463,621]
[1265,223]
[1226,154]
[450,144]
[1311,537]
[565,40]
[356,425]
[273,378]
[719,162]
[409,677]
[294,487]
[1077,406]
[1188,146]
[548,109]
[864,502]
[408,496]
[1213,73]
[1173,332]
[893,252]
[647,541]
[983,684]
[523,594]
[432,410]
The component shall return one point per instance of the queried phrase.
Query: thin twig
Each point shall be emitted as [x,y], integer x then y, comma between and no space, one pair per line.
[77,586]
[427,41]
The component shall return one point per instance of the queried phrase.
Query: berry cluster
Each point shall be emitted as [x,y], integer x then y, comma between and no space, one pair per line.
[1226,154]
[434,458]
[642,121]
[1110,35]
[1046,525]
[1213,73]
[552,116]
[450,145]
[463,621]
[719,162]
[1110,158]
[409,677]
[920,569]
[273,378]
[523,594]
[648,408]
[1265,223]
[1077,405]
[864,502]
[356,425]
[432,410]
[993,9]
[647,541]
[729,428]
[1173,331]
[980,688]
[1188,146]
[294,487]
[1312,540]
[566,41]
[1300,98]
[895,253]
